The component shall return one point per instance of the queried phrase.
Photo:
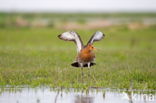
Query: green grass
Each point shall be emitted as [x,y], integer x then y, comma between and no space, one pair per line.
[35,56]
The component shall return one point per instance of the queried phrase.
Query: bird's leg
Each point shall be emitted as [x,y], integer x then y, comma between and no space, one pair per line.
[88,68]
[89,65]
[81,65]
[92,76]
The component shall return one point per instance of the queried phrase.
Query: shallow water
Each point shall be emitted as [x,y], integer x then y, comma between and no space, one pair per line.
[48,95]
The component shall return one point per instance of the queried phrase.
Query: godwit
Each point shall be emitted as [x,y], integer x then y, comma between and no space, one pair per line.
[85,55]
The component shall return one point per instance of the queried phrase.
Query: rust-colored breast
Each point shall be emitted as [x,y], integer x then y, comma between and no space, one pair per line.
[86,56]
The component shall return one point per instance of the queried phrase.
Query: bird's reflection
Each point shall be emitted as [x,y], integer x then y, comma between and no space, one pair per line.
[83,99]
[104,95]
[129,94]
[56,97]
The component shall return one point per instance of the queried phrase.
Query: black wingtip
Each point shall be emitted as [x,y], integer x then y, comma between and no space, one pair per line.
[76,64]
[59,36]
[104,35]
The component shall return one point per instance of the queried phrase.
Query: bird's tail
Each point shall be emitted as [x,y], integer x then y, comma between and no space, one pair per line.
[76,64]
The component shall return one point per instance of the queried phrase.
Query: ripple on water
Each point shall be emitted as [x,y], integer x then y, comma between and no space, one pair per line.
[51,95]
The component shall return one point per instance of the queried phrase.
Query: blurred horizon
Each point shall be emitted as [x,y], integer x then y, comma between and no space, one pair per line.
[72,14]
[73,6]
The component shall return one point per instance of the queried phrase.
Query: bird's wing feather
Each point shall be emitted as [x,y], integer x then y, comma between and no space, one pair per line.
[96,37]
[72,36]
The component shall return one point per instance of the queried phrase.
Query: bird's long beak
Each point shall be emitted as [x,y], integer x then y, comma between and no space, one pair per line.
[94,48]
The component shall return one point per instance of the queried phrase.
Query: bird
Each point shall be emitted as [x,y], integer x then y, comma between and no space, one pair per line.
[85,53]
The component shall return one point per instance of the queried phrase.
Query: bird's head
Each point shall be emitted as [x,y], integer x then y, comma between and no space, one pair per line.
[90,47]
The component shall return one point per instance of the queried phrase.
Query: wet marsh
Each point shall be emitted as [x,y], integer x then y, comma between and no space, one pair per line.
[34,56]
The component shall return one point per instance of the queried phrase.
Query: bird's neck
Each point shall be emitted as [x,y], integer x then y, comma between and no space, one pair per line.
[87,51]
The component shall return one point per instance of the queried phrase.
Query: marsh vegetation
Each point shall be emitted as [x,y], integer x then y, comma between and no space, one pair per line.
[34,56]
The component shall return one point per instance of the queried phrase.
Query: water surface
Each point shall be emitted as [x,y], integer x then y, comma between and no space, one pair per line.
[49,95]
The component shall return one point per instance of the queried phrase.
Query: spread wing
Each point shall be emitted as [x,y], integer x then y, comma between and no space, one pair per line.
[96,37]
[72,36]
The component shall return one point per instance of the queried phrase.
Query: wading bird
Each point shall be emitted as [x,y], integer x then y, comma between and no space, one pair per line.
[85,55]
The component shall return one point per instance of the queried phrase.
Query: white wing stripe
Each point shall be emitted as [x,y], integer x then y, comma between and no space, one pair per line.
[72,36]
[96,37]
